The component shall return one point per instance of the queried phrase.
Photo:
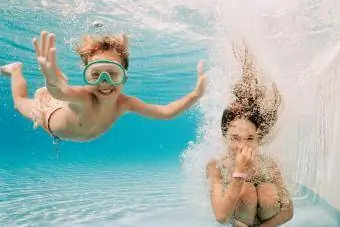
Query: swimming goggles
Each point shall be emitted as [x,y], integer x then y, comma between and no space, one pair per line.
[99,71]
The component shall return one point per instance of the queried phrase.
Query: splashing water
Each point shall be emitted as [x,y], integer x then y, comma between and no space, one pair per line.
[296,45]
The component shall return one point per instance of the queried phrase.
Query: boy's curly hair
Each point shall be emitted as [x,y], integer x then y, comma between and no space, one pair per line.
[249,97]
[92,45]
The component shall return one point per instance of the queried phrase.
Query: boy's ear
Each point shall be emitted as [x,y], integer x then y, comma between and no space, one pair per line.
[125,79]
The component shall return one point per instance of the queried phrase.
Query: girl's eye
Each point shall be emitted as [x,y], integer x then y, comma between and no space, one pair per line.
[235,138]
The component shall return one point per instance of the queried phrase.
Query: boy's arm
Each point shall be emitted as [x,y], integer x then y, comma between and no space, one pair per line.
[56,82]
[174,108]
[159,111]
[67,93]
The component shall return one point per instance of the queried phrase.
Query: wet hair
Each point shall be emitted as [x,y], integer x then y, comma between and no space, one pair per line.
[248,102]
[92,45]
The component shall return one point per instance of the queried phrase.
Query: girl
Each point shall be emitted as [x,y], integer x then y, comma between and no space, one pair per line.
[246,187]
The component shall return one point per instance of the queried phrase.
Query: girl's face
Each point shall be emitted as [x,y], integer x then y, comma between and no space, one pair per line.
[241,132]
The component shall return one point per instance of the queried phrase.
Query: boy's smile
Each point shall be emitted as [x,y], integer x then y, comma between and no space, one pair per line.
[106,91]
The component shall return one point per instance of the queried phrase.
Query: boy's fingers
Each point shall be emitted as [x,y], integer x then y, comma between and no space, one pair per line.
[200,69]
[36,47]
[50,44]
[52,58]
[43,40]
[43,65]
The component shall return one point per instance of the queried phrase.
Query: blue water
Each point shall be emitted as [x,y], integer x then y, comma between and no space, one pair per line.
[132,175]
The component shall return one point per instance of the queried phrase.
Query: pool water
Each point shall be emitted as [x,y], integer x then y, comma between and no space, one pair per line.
[108,195]
[135,174]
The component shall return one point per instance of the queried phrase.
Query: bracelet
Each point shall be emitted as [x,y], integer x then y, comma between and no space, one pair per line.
[239,175]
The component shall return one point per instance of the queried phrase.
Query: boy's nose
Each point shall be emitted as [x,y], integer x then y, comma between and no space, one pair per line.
[104,84]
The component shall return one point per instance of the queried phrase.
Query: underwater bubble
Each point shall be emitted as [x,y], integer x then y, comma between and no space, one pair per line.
[98,24]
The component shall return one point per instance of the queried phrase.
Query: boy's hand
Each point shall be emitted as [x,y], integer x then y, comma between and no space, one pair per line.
[201,79]
[46,55]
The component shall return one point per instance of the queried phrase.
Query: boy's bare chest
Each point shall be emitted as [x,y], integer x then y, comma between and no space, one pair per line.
[94,122]
[100,117]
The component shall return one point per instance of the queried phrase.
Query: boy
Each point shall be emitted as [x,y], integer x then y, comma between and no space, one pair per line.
[82,113]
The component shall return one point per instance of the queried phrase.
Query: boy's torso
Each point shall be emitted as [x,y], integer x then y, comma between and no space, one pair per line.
[86,124]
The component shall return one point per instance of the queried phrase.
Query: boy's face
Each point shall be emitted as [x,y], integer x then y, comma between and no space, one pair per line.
[104,89]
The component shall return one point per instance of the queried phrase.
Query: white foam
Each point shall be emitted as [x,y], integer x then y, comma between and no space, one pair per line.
[287,39]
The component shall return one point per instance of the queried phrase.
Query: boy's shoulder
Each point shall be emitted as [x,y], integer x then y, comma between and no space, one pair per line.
[124,101]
